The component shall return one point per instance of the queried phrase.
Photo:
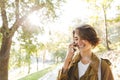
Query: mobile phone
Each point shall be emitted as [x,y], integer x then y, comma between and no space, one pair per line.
[75,45]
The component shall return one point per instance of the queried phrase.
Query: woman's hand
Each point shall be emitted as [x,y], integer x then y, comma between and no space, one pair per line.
[69,56]
[70,52]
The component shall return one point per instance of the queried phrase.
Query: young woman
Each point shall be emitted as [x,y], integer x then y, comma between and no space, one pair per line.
[85,65]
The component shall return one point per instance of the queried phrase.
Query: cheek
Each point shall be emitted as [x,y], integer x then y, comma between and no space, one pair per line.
[81,43]
[88,45]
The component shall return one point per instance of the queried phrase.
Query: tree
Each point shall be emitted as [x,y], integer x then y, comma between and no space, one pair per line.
[104,6]
[59,54]
[11,21]
[28,47]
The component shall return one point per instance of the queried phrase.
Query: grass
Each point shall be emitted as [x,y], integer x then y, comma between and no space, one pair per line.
[39,74]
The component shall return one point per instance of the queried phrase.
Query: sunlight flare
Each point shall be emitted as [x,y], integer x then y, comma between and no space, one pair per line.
[34,19]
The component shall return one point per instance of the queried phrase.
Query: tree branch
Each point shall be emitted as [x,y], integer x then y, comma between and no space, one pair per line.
[17,9]
[3,14]
[19,21]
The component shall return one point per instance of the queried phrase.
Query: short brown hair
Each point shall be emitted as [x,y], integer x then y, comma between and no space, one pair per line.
[88,33]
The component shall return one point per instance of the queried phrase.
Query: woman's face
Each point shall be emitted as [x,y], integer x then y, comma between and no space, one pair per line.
[83,45]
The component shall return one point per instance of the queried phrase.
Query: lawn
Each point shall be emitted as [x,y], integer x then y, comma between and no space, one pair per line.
[39,74]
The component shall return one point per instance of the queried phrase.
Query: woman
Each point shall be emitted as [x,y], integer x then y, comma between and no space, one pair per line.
[81,63]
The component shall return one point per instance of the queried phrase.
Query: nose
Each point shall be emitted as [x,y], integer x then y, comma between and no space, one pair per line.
[75,42]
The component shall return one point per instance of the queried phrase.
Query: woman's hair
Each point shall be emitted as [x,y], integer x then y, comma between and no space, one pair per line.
[87,32]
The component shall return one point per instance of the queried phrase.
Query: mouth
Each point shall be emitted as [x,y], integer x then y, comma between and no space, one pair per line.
[82,46]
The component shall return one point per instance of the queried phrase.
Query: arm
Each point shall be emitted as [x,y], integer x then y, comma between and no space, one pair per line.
[63,73]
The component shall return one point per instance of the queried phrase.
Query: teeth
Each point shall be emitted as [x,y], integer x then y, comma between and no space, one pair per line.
[82,46]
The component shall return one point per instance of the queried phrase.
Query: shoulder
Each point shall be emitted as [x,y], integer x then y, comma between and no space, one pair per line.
[105,64]
[106,61]
[106,70]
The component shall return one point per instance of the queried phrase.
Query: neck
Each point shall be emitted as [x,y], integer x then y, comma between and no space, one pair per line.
[86,56]
[87,53]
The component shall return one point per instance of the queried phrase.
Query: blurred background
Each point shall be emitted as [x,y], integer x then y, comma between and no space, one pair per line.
[40,30]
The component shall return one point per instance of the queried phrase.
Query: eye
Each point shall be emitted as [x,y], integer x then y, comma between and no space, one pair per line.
[76,39]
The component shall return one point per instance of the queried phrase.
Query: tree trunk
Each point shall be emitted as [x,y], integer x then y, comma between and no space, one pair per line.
[37,62]
[44,54]
[106,31]
[4,57]
[29,62]
[29,68]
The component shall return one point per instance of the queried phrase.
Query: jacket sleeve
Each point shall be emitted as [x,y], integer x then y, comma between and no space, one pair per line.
[62,75]
[106,70]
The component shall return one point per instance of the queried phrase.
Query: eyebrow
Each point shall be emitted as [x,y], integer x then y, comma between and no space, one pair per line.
[75,37]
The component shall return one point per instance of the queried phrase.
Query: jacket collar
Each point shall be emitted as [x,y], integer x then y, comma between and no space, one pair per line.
[95,62]
[93,67]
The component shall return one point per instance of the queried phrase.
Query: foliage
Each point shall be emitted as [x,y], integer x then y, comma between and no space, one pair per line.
[16,59]
[23,9]
[100,48]
[59,55]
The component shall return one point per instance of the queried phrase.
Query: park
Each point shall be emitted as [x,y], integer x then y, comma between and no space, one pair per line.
[35,34]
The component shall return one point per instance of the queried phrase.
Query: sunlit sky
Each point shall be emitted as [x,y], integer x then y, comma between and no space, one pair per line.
[71,10]
[75,9]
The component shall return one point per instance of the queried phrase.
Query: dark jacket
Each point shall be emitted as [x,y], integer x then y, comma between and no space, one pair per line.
[91,73]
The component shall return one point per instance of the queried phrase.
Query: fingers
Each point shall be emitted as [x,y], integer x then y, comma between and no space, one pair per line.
[71,48]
